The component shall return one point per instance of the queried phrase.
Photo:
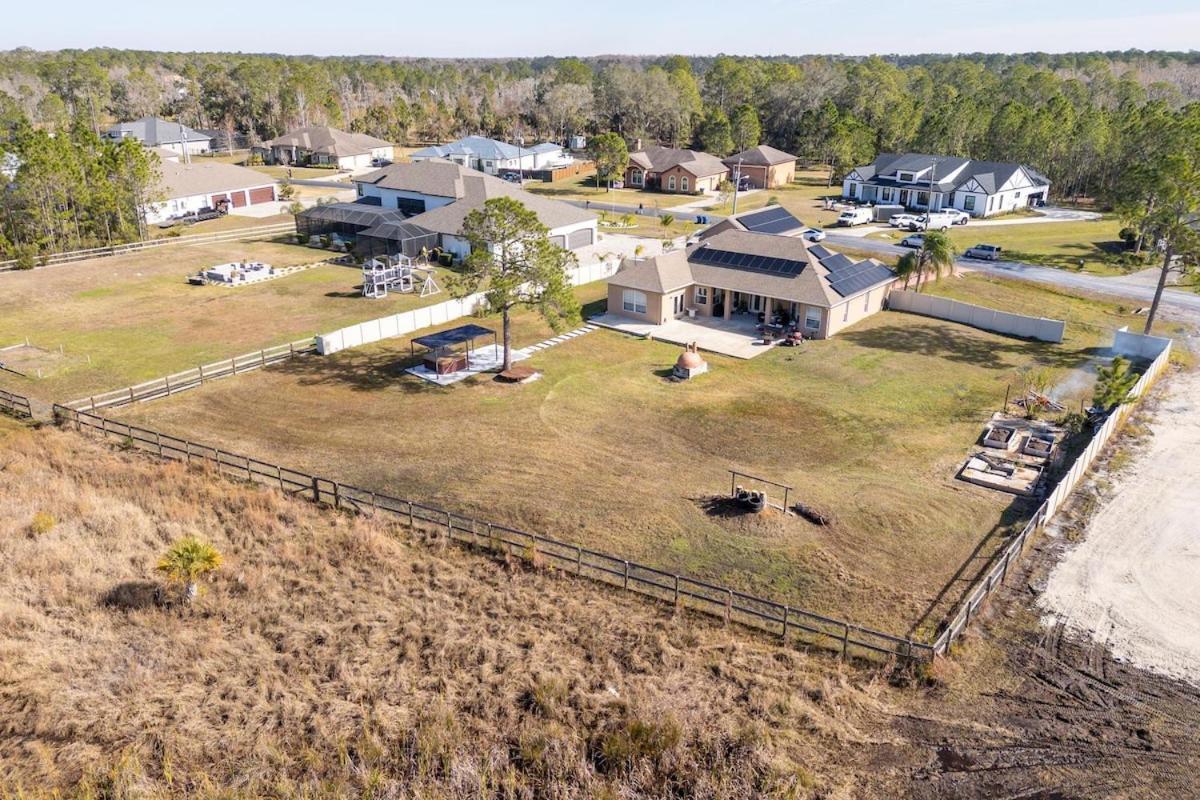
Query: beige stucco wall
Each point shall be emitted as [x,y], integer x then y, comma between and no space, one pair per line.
[654,306]
[854,309]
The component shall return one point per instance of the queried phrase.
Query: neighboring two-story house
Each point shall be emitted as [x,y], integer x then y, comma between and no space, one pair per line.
[925,182]
[669,169]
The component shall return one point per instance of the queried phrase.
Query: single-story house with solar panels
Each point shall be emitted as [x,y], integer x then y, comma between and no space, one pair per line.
[736,273]
[776,220]
[764,166]
[931,183]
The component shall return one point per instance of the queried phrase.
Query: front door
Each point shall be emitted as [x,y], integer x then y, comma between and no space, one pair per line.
[718,302]
[677,305]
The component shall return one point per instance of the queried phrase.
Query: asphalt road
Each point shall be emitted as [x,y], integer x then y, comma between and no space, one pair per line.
[1178,300]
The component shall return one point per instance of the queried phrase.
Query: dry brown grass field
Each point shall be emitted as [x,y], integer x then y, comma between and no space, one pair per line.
[603,451]
[332,656]
[135,317]
[329,656]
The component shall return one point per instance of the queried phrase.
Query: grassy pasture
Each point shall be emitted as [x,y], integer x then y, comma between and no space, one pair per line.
[136,317]
[603,451]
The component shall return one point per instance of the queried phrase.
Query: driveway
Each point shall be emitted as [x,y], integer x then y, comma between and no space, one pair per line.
[1131,583]
[1133,287]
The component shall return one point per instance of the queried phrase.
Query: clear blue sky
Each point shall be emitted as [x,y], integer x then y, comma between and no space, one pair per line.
[562,27]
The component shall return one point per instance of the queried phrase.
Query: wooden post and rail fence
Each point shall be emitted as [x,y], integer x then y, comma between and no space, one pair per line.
[788,622]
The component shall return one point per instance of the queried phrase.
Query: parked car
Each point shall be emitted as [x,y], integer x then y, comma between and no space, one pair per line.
[744,183]
[380,162]
[512,177]
[854,216]
[938,221]
[813,234]
[901,220]
[916,240]
[959,217]
[987,252]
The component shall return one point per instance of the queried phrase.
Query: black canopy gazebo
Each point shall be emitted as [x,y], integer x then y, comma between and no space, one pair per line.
[438,359]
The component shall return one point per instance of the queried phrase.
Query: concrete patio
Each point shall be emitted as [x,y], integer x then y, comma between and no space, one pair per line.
[736,337]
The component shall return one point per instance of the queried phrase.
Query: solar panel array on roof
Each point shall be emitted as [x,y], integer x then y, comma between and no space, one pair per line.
[783,267]
[847,277]
[775,219]
[820,252]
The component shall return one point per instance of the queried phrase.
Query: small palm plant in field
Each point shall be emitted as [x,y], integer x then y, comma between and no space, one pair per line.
[666,220]
[186,561]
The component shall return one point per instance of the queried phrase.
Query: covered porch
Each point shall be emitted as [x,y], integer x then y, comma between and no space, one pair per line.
[737,307]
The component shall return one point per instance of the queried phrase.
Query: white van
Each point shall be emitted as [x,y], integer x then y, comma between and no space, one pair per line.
[855,216]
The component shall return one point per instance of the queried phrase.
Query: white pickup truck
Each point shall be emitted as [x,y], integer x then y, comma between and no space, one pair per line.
[939,220]
[855,216]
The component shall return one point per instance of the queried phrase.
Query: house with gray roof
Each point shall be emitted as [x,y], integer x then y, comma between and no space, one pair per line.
[186,188]
[933,183]
[322,146]
[669,169]
[159,132]
[737,278]
[495,157]
[437,195]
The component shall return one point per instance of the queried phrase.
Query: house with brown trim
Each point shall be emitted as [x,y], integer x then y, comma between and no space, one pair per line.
[736,276]
[763,167]
[668,169]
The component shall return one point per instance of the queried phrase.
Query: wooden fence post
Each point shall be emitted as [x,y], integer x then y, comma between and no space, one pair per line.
[337,495]
[845,640]
[728,605]
[201,371]
[130,394]
[158,443]
[168,380]
[316,489]
[625,580]
[411,521]
[578,560]
[786,611]
[676,590]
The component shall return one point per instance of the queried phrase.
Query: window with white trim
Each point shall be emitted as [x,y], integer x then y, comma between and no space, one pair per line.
[671,183]
[701,295]
[633,301]
[812,319]
[969,202]
[683,184]
[887,194]
[906,177]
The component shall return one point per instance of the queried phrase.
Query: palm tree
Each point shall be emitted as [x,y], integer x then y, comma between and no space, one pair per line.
[186,561]
[936,253]
[906,267]
[666,220]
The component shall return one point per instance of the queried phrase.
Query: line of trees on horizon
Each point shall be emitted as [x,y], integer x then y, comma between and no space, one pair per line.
[1083,119]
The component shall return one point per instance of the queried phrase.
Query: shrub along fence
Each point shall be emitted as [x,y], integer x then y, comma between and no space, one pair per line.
[995,575]
[193,378]
[15,404]
[790,623]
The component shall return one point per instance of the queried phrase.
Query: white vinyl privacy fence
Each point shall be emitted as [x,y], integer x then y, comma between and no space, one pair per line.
[1136,345]
[988,319]
[407,322]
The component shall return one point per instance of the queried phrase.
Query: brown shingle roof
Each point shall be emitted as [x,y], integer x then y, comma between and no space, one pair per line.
[208,177]
[678,269]
[473,189]
[762,156]
[660,159]
[329,141]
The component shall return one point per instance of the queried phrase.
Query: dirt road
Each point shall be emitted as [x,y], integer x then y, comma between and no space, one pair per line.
[1132,583]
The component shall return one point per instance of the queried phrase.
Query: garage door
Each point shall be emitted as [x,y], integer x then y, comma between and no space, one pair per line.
[239,199]
[215,200]
[558,241]
[263,194]
[580,238]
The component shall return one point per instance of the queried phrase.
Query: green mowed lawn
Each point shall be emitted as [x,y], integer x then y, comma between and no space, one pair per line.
[126,319]
[1051,244]
[584,188]
[870,427]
